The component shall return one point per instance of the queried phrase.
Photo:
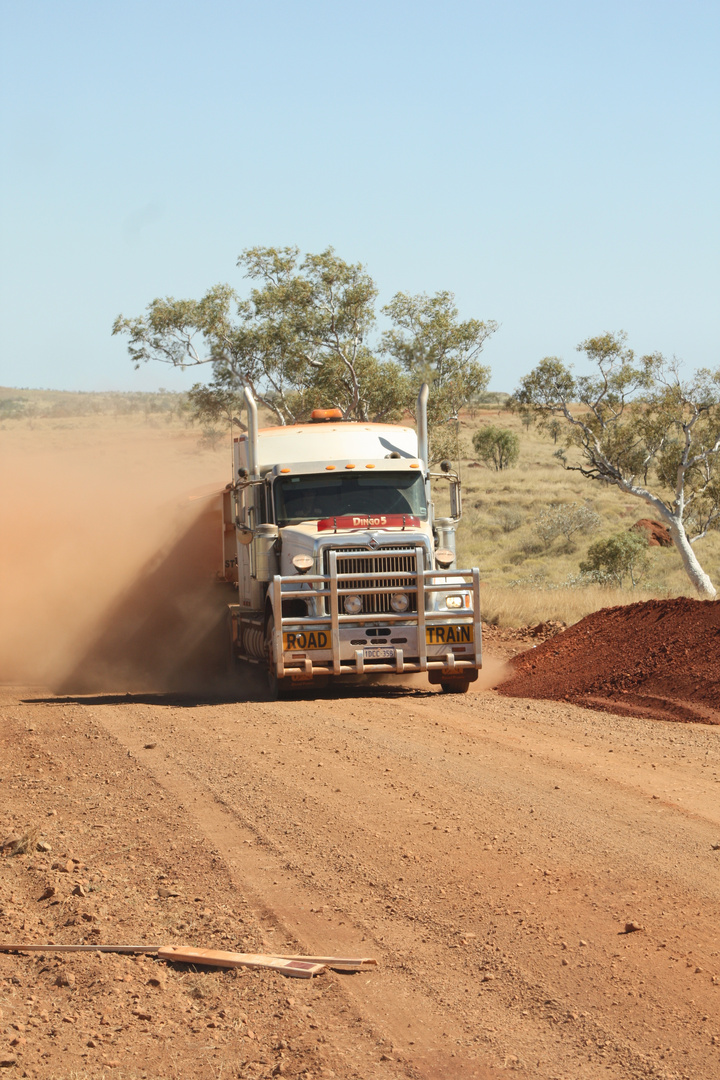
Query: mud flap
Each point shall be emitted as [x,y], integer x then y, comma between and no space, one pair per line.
[437,676]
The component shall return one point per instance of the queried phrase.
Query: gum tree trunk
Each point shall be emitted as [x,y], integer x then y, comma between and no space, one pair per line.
[701,582]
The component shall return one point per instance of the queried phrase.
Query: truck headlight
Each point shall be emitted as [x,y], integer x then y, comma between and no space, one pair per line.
[302,563]
[399,602]
[453,601]
[353,605]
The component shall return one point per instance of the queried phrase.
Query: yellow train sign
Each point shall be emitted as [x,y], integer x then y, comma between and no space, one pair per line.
[450,635]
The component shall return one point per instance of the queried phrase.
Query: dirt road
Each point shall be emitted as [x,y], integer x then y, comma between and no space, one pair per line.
[488,851]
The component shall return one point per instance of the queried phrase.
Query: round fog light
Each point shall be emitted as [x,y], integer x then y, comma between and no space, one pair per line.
[353,605]
[444,557]
[399,602]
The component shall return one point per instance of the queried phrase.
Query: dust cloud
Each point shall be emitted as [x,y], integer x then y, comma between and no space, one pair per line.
[494,672]
[109,541]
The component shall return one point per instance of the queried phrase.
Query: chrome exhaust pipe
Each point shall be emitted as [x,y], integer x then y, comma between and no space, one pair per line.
[252,433]
[422,424]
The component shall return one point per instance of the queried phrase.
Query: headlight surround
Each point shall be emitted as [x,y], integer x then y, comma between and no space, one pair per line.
[353,605]
[453,602]
[399,602]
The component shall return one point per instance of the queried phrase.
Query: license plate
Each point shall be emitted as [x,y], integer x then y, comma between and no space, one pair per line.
[378,652]
[304,640]
[442,634]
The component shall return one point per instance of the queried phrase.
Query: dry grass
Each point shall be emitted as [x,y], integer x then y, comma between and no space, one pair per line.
[530,606]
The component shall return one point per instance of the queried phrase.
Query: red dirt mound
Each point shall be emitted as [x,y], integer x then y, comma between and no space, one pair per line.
[658,659]
[657,534]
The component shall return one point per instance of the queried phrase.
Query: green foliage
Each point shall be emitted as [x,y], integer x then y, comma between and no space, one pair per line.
[209,407]
[623,555]
[431,345]
[637,425]
[497,447]
[302,339]
[446,443]
[566,520]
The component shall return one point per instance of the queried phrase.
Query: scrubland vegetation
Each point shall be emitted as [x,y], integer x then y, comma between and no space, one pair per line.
[63,405]
[529,576]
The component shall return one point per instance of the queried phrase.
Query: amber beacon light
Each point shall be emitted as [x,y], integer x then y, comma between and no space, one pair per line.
[319,415]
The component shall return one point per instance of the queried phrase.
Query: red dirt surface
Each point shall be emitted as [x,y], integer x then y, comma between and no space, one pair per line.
[656,659]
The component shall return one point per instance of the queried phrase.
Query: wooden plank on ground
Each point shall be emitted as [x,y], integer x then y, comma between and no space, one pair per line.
[298,969]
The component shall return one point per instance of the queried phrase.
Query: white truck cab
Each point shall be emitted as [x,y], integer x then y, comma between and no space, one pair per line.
[340,567]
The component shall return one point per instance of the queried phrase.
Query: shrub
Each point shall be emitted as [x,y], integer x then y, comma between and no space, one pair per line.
[497,447]
[566,519]
[509,520]
[622,555]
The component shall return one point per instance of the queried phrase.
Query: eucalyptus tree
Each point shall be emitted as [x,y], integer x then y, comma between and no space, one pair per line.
[639,425]
[306,336]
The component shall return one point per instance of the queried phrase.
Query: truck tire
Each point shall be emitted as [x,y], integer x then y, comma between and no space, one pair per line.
[455,686]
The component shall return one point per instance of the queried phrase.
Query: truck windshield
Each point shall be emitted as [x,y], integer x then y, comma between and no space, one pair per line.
[317,496]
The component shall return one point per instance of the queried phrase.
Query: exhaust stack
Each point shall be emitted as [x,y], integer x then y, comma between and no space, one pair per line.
[252,434]
[422,424]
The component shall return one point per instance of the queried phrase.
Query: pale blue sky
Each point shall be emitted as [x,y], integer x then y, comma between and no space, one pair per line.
[553,164]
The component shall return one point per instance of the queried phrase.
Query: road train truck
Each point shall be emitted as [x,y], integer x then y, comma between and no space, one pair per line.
[341,567]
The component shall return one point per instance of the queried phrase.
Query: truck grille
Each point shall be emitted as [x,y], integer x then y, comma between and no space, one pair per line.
[387,561]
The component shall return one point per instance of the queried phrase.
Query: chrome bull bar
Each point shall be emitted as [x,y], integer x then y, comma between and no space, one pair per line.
[333,587]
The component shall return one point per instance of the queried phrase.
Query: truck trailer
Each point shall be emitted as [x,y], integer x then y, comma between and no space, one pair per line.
[341,568]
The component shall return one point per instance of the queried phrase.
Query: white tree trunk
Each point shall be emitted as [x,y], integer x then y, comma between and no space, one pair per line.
[701,582]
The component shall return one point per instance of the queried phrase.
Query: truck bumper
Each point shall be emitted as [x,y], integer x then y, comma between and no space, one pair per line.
[446,644]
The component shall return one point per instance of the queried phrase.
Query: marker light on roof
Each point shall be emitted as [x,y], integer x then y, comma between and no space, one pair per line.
[349,466]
